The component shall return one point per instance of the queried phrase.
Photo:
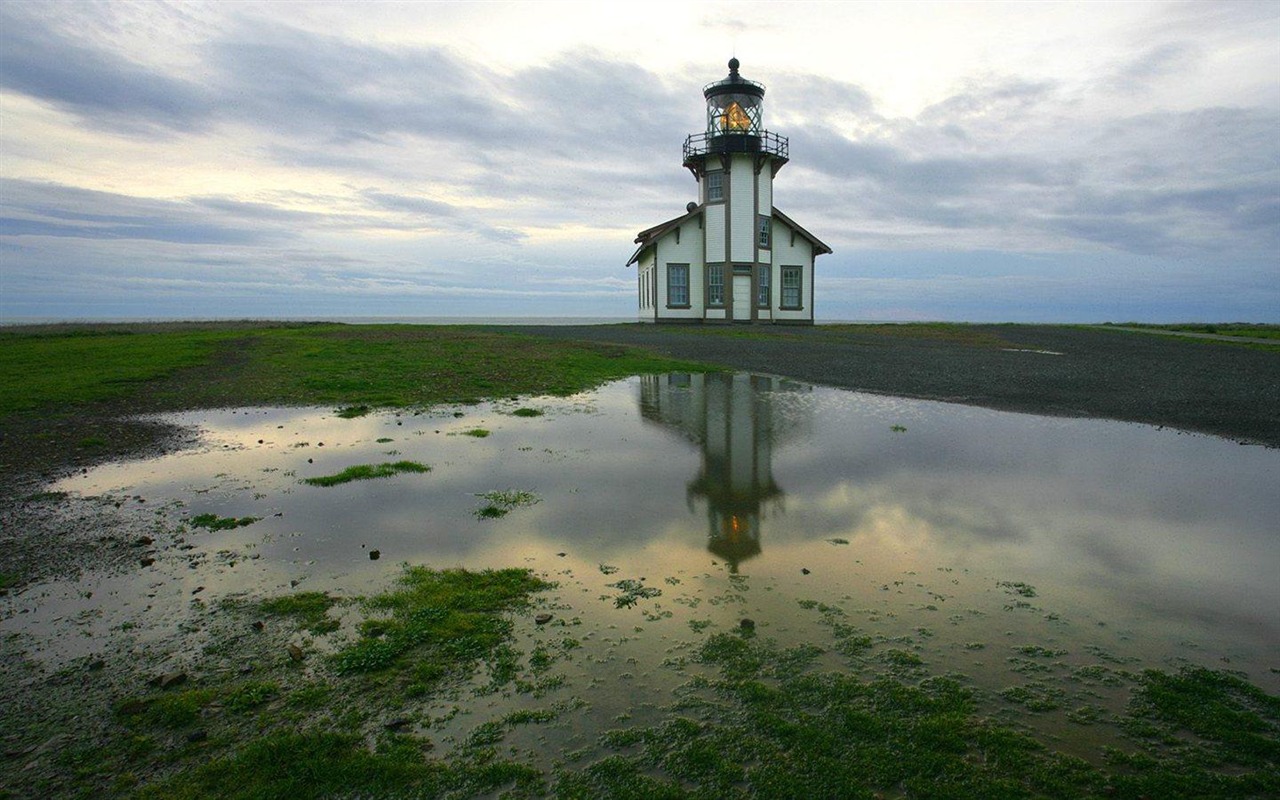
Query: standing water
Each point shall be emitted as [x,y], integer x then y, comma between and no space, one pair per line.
[1034,556]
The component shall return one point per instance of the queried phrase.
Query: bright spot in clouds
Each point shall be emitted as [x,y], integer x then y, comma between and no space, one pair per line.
[981,161]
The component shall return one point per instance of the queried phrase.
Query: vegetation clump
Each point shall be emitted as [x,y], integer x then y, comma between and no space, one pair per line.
[449,619]
[500,502]
[214,522]
[310,609]
[362,472]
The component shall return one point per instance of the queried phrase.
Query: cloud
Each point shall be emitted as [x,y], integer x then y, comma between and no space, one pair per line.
[102,87]
[194,128]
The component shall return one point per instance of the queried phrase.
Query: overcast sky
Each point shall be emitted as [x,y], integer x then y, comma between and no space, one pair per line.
[989,161]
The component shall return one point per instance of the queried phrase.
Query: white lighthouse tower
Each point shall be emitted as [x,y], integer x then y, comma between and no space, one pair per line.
[732,256]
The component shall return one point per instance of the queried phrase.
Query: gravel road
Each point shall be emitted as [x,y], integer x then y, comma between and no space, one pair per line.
[1206,386]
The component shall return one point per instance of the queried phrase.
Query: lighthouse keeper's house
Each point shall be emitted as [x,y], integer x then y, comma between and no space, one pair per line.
[732,256]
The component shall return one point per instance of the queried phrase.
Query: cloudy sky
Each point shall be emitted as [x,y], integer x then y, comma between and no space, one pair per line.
[966,161]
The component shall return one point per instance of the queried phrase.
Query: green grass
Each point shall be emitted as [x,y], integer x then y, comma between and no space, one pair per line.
[500,502]
[448,619]
[364,472]
[214,522]
[77,367]
[758,720]
[310,609]
[1246,329]
[769,725]
[350,367]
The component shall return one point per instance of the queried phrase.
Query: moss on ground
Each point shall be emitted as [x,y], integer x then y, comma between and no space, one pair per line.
[364,472]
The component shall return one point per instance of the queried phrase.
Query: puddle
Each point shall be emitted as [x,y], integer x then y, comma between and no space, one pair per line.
[999,546]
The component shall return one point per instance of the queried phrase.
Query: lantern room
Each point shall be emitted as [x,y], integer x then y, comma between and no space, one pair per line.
[735,122]
[734,105]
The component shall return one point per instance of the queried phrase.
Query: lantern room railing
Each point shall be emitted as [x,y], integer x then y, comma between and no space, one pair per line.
[698,146]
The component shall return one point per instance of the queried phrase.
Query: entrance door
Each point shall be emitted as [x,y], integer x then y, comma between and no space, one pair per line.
[742,298]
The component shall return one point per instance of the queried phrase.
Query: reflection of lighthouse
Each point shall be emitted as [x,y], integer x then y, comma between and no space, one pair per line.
[737,422]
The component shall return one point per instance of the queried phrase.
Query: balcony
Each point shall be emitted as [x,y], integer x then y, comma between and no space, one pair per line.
[697,146]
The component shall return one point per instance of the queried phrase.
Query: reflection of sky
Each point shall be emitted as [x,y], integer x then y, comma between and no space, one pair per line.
[1169,535]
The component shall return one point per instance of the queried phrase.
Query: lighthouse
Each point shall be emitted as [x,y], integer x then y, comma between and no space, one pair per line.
[732,256]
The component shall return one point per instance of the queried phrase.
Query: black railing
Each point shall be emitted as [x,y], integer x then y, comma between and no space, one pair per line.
[700,145]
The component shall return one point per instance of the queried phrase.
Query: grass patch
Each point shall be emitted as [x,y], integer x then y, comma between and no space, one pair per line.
[71,366]
[477,433]
[316,764]
[351,412]
[1248,330]
[449,619]
[364,472]
[310,609]
[499,503]
[528,412]
[348,366]
[214,522]
[768,725]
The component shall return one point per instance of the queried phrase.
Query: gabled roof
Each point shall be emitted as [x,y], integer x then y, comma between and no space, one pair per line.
[819,247]
[650,235]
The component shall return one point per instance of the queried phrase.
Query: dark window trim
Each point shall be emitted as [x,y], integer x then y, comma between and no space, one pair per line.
[782,280]
[711,303]
[764,270]
[724,188]
[688,303]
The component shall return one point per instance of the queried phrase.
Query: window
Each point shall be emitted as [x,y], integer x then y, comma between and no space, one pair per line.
[715,285]
[677,285]
[763,227]
[762,287]
[715,186]
[791,286]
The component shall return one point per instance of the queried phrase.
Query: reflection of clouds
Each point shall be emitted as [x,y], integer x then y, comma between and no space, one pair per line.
[1103,515]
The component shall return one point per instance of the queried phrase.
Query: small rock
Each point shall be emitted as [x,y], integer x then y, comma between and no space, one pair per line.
[398,724]
[310,461]
[146,562]
[804,570]
[295,652]
[169,679]
[293,583]
[562,555]
[197,590]
[542,619]
[259,441]
[143,541]
[258,625]
[374,555]
[747,624]
[197,736]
